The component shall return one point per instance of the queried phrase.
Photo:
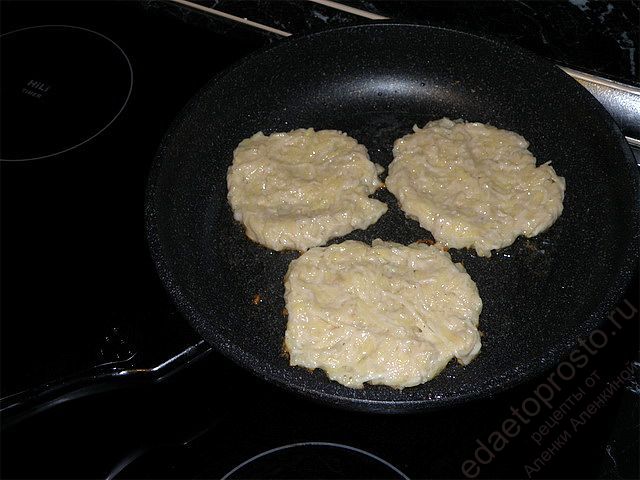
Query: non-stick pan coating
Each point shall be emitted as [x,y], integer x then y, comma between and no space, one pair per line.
[375,82]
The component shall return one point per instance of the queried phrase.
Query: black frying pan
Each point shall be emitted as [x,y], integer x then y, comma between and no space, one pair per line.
[374,82]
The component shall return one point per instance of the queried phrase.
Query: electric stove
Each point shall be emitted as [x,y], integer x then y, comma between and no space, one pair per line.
[102,377]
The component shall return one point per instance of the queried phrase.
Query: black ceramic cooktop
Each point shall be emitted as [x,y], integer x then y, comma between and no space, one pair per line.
[89,378]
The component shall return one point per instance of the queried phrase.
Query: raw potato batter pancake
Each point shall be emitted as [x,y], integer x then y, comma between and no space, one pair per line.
[299,189]
[385,314]
[473,185]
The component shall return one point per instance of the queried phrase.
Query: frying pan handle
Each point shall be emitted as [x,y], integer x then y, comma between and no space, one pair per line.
[18,406]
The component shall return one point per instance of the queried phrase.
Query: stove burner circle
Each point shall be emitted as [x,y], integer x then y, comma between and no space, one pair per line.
[315,460]
[62,86]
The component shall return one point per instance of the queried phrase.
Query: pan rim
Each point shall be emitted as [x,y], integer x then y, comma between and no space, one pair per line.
[613,295]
